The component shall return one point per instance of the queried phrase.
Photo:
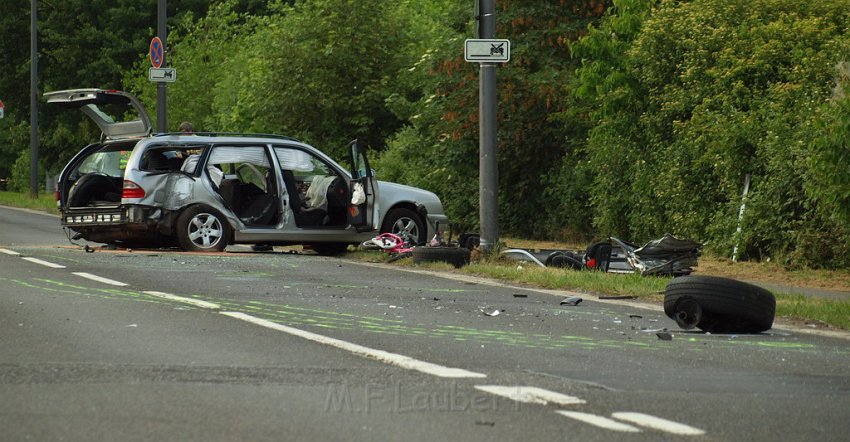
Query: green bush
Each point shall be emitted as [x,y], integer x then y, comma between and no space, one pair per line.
[707,92]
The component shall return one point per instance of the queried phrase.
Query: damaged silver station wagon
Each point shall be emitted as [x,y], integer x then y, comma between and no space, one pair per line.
[204,191]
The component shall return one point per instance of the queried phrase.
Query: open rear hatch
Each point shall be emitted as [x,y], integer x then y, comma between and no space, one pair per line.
[119,115]
[90,186]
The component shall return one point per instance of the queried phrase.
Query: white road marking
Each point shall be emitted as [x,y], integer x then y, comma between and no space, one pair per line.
[599,421]
[9,252]
[530,395]
[656,423]
[44,263]
[380,355]
[191,301]
[99,279]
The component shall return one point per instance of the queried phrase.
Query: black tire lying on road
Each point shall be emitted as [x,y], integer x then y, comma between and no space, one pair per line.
[456,256]
[719,305]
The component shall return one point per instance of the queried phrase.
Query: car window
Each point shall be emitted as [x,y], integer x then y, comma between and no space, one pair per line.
[247,164]
[239,154]
[111,163]
[301,163]
[168,157]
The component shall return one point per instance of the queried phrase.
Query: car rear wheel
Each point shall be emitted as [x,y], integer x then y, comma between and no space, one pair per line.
[406,224]
[202,229]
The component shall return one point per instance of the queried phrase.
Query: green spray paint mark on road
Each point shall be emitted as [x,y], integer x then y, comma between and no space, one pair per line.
[324,318]
[61,288]
[344,321]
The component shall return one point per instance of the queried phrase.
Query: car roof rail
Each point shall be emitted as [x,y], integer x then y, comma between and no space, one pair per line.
[229,134]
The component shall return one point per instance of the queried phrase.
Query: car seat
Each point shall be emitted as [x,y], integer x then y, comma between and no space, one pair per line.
[303,215]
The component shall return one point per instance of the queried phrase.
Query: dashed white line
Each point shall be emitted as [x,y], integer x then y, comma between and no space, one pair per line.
[99,279]
[530,395]
[599,421]
[9,252]
[44,263]
[656,423]
[191,301]
[380,355]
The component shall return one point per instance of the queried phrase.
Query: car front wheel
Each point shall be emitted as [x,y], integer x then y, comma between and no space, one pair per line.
[202,229]
[406,224]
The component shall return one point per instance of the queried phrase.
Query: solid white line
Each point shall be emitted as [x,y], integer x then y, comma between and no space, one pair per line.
[44,263]
[530,395]
[195,302]
[599,421]
[9,252]
[99,279]
[656,423]
[383,356]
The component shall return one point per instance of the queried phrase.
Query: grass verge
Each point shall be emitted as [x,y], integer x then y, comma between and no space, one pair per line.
[811,311]
[44,202]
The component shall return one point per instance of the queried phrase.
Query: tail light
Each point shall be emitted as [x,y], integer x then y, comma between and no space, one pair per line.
[132,190]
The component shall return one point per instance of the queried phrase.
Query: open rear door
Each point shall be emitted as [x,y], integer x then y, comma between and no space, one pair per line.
[364,190]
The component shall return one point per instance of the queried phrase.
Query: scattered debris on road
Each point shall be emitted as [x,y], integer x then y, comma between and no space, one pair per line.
[664,336]
[572,300]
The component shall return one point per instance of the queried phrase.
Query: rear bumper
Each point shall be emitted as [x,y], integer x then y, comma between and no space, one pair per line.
[111,217]
[104,224]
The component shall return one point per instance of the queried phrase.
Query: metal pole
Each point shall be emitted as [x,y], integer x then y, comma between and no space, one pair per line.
[746,191]
[34,99]
[161,88]
[488,185]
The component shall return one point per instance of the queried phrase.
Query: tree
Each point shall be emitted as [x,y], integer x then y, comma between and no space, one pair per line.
[440,148]
[14,83]
[723,89]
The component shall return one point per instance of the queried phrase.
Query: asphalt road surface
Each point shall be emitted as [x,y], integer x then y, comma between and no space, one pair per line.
[164,345]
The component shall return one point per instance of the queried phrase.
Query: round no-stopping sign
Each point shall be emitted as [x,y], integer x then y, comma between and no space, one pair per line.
[157,52]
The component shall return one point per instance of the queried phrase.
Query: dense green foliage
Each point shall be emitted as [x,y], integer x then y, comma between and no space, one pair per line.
[439,148]
[707,92]
[627,117]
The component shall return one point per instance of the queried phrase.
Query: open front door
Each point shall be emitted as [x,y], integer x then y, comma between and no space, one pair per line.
[364,190]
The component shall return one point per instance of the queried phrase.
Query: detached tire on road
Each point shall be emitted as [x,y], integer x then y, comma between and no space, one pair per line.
[456,256]
[719,305]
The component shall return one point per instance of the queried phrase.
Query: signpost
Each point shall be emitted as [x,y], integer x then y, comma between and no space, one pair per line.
[162,75]
[157,52]
[159,59]
[2,109]
[487,50]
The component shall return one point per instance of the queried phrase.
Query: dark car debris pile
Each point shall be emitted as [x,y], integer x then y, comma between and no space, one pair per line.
[666,256]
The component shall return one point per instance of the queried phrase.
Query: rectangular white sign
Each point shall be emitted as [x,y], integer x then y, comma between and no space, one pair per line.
[487,50]
[162,75]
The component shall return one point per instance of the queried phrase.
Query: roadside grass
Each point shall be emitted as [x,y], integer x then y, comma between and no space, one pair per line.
[811,310]
[45,202]
[792,307]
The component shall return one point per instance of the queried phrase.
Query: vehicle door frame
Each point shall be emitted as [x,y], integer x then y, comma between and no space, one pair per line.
[362,216]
